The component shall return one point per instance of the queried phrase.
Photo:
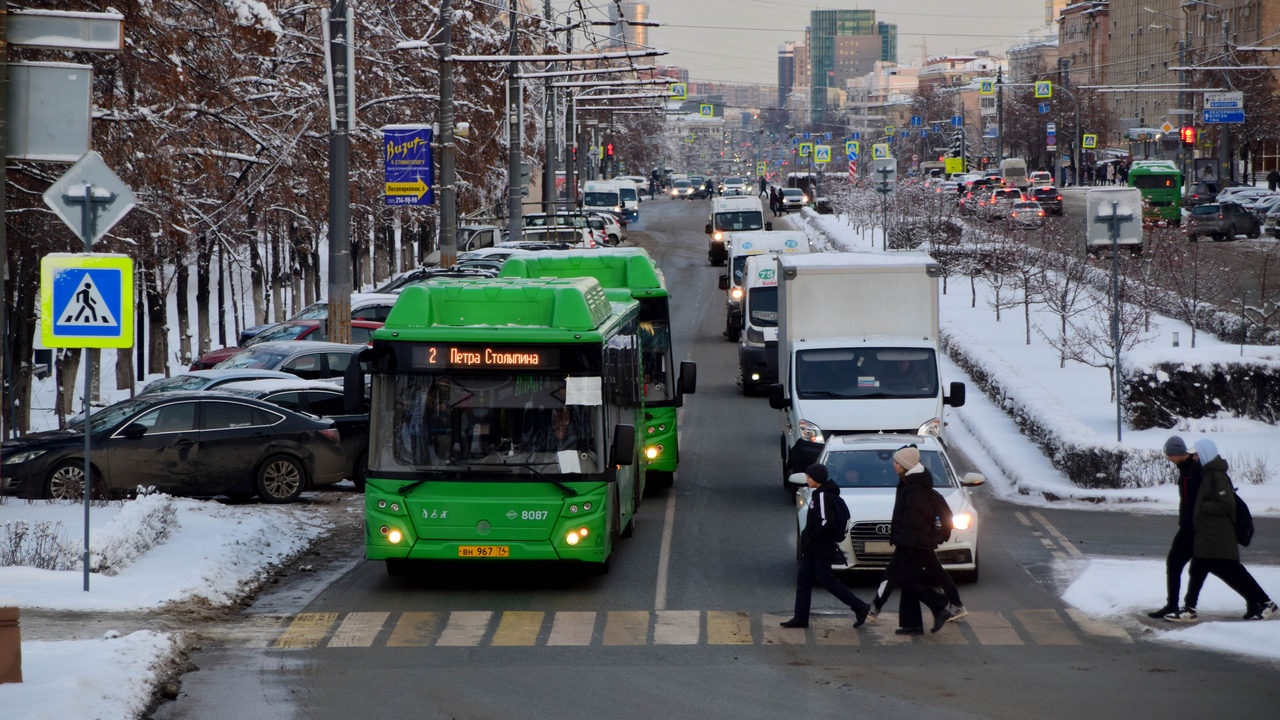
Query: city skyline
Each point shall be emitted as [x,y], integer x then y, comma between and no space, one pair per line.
[737,41]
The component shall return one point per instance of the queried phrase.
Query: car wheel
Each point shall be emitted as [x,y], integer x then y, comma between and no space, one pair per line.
[66,482]
[361,471]
[281,479]
[1254,233]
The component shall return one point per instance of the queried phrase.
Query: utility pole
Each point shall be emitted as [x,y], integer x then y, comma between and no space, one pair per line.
[549,138]
[340,281]
[999,115]
[514,152]
[448,190]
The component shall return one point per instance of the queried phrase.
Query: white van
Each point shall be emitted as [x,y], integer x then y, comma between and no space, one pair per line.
[629,193]
[602,196]
[741,246]
[731,214]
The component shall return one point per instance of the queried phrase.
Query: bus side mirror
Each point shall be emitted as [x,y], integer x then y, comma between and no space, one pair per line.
[724,282]
[955,398]
[623,451]
[688,382]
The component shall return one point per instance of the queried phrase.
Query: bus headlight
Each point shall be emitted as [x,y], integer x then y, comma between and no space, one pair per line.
[573,537]
[393,535]
[653,451]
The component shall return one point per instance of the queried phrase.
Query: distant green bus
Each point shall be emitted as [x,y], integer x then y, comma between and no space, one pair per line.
[502,423]
[633,271]
[1160,182]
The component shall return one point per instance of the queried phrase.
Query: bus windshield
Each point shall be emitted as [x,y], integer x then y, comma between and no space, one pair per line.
[515,424]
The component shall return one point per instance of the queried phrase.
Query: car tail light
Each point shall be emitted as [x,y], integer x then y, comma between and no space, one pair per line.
[1041,213]
[332,434]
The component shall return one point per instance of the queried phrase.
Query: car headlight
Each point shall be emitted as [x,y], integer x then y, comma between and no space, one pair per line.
[811,432]
[735,294]
[962,520]
[24,456]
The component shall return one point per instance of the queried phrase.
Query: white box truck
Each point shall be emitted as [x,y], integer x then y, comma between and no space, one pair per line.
[857,349]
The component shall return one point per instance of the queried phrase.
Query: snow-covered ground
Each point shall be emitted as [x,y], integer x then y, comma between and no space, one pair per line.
[214,551]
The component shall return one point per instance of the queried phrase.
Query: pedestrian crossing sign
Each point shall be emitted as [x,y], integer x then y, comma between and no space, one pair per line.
[86,300]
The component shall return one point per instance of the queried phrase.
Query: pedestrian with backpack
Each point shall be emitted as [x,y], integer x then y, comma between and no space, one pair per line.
[914,534]
[1215,546]
[826,524]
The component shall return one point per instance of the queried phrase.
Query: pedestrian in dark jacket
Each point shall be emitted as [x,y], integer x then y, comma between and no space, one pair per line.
[1214,546]
[912,534]
[1273,180]
[1180,551]
[819,549]
[926,558]
[774,201]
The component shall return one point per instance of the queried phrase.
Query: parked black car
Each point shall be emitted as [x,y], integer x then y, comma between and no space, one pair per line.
[324,399]
[1221,221]
[182,443]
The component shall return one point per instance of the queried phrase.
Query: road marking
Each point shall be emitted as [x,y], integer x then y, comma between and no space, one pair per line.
[1045,627]
[465,628]
[572,628]
[358,629]
[631,628]
[415,629]
[518,628]
[306,630]
[677,627]
[1059,537]
[664,553]
[626,627]
[728,628]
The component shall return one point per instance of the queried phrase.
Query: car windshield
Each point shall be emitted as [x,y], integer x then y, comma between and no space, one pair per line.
[740,220]
[763,304]
[1208,209]
[516,421]
[283,331]
[600,199]
[874,468]
[177,382]
[314,311]
[254,358]
[866,373]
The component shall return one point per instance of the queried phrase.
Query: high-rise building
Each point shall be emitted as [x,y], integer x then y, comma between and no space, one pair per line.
[843,45]
[625,31]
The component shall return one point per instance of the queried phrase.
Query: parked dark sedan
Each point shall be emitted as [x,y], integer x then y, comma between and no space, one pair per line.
[182,443]
[324,399]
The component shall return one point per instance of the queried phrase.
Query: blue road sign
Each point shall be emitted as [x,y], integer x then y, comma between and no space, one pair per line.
[855,136]
[1044,108]
[916,121]
[1219,117]
[86,300]
[957,121]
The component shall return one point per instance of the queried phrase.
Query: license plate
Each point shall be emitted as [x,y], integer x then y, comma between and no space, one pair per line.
[484,551]
[878,547]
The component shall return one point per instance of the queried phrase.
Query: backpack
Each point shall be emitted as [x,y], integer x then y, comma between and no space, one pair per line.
[1244,522]
[839,519]
[942,521]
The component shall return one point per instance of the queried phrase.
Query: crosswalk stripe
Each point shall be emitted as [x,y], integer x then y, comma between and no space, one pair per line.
[626,627]
[525,628]
[1045,627]
[991,628]
[465,628]
[728,628]
[572,628]
[306,630]
[518,628]
[1101,628]
[415,629]
[358,629]
[677,627]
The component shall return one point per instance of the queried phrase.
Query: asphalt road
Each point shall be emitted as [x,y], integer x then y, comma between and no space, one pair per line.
[685,625]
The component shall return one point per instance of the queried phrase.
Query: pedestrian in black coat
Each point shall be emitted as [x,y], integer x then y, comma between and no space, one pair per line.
[824,528]
[912,534]
[1180,551]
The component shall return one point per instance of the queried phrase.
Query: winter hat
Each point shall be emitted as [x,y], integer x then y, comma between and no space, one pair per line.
[1175,446]
[818,472]
[907,457]
[1207,450]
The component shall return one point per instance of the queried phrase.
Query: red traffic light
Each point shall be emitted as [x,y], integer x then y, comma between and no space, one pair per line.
[608,149]
[1188,135]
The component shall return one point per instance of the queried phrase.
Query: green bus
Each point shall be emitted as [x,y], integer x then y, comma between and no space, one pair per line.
[503,423]
[1160,183]
[633,270]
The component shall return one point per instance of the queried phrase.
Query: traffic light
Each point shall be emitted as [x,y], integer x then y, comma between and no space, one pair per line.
[1188,135]
[608,149]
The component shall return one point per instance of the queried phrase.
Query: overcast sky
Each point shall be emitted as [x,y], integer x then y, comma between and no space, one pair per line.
[738,40]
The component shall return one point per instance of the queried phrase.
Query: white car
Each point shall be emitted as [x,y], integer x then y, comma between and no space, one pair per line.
[642,183]
[615,232]
[862,465]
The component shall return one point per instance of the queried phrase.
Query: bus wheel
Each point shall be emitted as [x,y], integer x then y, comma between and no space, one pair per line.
[281,479]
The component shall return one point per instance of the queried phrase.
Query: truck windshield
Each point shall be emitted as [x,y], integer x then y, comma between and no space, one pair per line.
[762,306]
[453,421]
[864,373]
[740,220]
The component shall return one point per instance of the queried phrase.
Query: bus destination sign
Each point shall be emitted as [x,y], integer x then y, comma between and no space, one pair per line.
[485,357]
